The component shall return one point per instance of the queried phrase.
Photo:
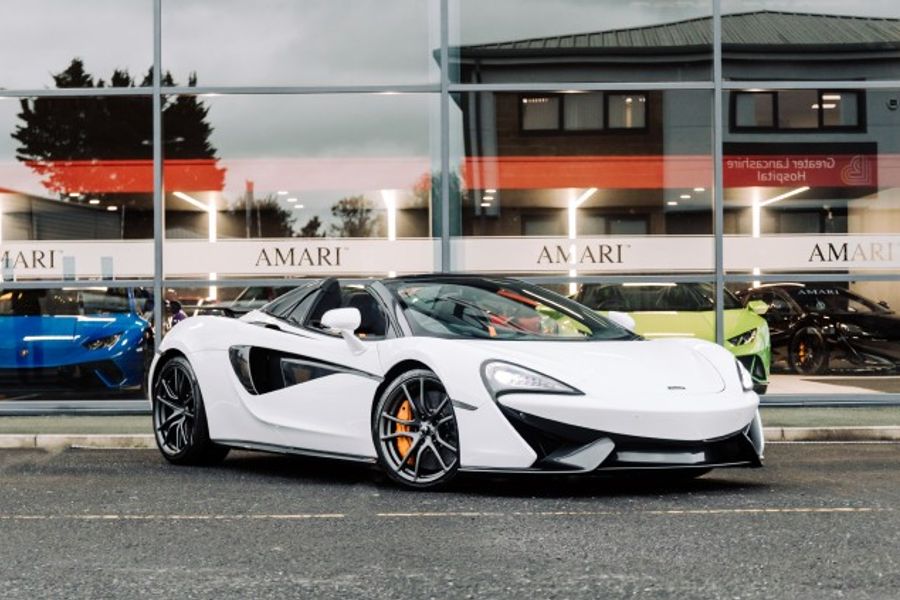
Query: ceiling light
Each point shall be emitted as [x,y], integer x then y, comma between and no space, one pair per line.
[672,203]
[685,196]
[74,195]
[291,199]
[698,189]
[93,201]
[282,192]
[799,190]
[112,208]
[485,204]
[491,191]
[629,100]
[815,106]
[298,207]
[831,96]
[487,198]
[828,105]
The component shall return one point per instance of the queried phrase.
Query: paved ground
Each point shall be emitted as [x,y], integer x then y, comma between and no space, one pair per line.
[821,521]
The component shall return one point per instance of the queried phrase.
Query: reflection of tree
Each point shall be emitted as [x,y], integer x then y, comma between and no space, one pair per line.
[54,133]
[267,218]
[355,219]
[311,229]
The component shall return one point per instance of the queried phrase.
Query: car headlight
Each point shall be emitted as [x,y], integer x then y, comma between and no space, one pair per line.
[744,338]
[104,342]
[503,378]
[745,377]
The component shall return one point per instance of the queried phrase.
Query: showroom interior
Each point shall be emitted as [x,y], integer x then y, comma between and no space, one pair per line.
[720,169]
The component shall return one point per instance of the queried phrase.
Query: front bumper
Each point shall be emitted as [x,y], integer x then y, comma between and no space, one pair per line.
[565,448]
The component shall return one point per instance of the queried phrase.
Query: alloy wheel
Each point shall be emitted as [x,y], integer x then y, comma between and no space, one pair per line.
[174,408]
[417,432]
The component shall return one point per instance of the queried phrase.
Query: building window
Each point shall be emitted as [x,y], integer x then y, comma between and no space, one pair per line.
[797,110]
[583,111]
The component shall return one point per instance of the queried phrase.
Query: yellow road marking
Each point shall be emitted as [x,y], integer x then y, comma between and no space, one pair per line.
[451,514]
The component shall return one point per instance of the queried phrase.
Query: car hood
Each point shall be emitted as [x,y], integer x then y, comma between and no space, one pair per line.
[619,367]
[41,341]
[693,324]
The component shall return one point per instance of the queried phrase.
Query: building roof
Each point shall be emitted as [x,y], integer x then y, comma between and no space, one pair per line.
[776,29]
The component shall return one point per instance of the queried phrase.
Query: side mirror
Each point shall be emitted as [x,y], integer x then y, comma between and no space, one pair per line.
[884,304]
[345,321]
[758,306]
[621,319]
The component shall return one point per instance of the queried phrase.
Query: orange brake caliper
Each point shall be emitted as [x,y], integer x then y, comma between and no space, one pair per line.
[403,442]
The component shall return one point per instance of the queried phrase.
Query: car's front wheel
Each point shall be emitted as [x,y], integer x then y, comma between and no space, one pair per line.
[415,431]
[808,353]
[179,417]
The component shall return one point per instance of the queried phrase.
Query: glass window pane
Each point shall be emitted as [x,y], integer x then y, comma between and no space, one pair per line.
[111,39]
[754,110]
[839,109]
[574,40]
[584,201]
[76,177]
[583,111]
[302,185]
[540,112]
[301,42]
[826,337]
[798,109]
[812,200]
[821,40]
[74,343]
[627,111]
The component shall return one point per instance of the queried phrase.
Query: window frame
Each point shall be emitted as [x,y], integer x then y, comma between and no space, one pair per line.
[561,129]
[859,127]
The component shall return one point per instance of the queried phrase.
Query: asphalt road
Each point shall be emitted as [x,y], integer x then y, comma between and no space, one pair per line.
[820,521]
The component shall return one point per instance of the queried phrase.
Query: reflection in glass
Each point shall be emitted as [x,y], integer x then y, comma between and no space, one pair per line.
[640,167]
[302,42]
[831,337]
[38,37]
[822,40]
[71,342]
[306,166]
[572,40]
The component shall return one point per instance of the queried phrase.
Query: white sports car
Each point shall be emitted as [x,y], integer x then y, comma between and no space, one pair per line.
[436,374]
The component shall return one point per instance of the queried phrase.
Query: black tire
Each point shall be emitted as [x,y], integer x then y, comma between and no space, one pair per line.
[761,388]
[179,417]
[415,431]
[808,352]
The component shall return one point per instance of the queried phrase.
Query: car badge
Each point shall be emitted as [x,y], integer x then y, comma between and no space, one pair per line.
[676,387]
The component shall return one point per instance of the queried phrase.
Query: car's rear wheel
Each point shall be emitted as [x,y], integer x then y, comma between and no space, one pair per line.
[808,353]
[415,431]
[179,417]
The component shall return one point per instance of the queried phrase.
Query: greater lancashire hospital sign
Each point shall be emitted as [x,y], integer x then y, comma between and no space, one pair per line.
[360,257]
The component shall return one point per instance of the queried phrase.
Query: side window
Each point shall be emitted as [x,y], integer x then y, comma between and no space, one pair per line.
[373,320]
[296,315]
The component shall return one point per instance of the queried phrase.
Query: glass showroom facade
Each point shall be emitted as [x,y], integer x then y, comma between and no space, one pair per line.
[722,169]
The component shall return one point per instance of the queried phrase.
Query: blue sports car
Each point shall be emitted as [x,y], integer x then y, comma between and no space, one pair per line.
[72,338]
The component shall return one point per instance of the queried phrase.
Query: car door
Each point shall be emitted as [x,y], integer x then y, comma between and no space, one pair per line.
[325,387]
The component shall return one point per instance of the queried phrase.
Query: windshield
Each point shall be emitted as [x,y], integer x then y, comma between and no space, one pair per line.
[645,297]
[834,300]
[54,302]
[475,308]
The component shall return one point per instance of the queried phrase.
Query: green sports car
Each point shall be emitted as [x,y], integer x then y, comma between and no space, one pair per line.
[688,310]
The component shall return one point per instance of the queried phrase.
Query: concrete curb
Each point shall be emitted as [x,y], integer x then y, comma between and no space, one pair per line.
[832,434]
[46,441]
[61,441]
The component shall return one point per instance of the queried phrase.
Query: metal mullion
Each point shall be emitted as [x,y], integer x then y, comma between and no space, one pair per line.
[811,277]
[622,86]
[308,89]
[77,92]
[444,135]
[811,85]
[718,184]
[72,283]
[158,205]
[613,278]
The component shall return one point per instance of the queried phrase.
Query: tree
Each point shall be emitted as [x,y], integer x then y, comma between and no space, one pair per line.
[311,229]
[54,131]
[267,218]
[354,215]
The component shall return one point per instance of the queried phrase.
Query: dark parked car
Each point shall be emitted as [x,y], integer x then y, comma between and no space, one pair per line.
[818,328]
